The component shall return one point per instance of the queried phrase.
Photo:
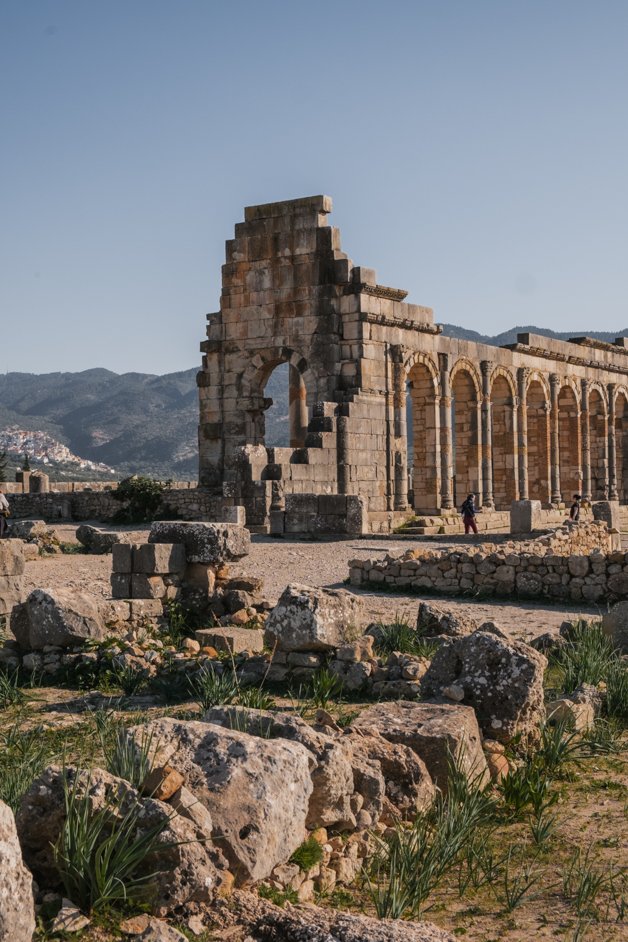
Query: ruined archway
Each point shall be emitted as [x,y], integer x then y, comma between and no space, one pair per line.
[621,444]
[466,435]
[598,436]
[569,443]
[504,448]
[423,427]
[537,407]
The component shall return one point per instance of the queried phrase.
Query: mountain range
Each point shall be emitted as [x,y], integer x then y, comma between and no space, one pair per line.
[141,423]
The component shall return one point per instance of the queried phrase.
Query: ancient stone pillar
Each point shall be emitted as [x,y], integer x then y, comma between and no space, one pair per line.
[446,442]
[297,408]
[522,385]
[556,496]
[612,445]
[586,442]
[401,431]
[487,437]
[342,452]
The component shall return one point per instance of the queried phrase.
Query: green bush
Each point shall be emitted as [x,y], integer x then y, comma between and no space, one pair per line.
[142,498]
[308,854]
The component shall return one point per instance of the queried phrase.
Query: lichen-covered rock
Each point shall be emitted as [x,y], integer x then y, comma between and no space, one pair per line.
[17,907]
[256,790]
[435,620]
[187,867]
[314,619]
[61,618]
[332,777]
[437,732]
[502,680]
[98,542]
[208,543]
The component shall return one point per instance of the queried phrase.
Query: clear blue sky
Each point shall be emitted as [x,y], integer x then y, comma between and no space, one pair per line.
[476,151]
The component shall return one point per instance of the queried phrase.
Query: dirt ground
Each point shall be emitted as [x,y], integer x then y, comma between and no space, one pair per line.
[278,562]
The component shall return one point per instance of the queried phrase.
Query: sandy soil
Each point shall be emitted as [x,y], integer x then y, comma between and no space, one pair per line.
[278,562]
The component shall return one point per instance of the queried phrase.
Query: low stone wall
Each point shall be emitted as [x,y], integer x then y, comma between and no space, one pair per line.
[578,562]
[321,515]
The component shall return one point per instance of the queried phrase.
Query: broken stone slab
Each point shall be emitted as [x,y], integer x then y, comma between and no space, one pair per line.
[61,617]
[502,680]
[435,620]
[437,732]
[186,865]
[30,530]
[12,561]
[332,776]
[11,593]
[314,619]
[209,543]
[579,717]
[17,906]
[232,640]
[97,541]
[256,790]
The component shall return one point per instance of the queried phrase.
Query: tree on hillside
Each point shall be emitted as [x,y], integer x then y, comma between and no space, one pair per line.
[26,465]
[4,463]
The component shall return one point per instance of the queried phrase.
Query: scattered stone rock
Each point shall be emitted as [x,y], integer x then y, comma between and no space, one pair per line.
[230,639]
[17,907]
[69,918]
[158,931]
[436,732]
[502,680]
[615,626]
[61,618]
[310,619]
[576,716]
[208,543]
[97,541]
[435,620]
[256,790]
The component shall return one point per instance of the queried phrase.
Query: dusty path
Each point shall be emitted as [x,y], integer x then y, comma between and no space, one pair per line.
[278,562]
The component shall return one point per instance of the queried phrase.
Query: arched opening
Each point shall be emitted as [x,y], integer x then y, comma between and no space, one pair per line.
[286,415]
[466,439]
[503,448]
[569,444]
[621,445]
[598,435]
[423,431]
[538,442]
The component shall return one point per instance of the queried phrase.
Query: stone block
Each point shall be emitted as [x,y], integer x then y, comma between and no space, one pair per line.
[11,593]
[147,587]
[232,640]
[159,558]
[122,557]
[121,585]
[236,514]
[615,626]
[145,608]
[210,543]
[607,511]
[525,516]
[11,558]
[201,577]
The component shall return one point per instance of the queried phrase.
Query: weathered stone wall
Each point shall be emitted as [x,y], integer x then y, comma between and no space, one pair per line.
[578,562]
[540,419]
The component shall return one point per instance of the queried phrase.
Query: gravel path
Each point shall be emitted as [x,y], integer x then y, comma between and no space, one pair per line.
[278,562]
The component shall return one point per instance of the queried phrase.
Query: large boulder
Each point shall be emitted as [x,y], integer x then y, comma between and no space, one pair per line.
[439,733]
[61,617]
[17,906]
[187,867]
[502,680]
[409,788]
[313,619]
[435,620]
[266,922]
[256,790]
[332,775]
[615,626]
[96,541]
[208,543]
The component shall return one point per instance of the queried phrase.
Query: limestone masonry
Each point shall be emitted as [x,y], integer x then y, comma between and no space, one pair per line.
[383,407]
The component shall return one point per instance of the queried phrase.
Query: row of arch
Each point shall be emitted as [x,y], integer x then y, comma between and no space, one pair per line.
[536,438]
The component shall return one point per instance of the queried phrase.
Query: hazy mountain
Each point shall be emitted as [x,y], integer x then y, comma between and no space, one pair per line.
[137,422]
[510,336]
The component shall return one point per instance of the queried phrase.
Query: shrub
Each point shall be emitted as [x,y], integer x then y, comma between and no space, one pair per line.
[308,854]
[211,689]
[142,498]
[324,686]
[101,855]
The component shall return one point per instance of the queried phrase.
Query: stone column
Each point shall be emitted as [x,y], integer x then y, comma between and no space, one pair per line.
[297,408]
[401,431]
[522,433]
[586,441]
[488,500]
[446,448]
[515,442]
[612,445]
[555,492]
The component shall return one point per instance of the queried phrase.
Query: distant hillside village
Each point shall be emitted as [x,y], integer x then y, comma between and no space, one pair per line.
[42,450]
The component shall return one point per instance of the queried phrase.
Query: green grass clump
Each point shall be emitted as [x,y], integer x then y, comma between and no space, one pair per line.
[400,636]
[589,657]
[23,756]
[324,686]
[125,756]
[308,854]
[211,689]
[10,693]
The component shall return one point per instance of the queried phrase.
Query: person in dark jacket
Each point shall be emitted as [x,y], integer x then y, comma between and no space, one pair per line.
[468,511]
[574,513]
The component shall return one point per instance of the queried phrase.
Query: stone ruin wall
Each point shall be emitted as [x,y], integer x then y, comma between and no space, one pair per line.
[541,419]
[578,562]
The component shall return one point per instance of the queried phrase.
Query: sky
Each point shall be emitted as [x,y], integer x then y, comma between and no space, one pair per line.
[476,152]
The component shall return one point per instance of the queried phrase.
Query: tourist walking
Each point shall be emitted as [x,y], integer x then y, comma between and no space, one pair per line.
[574,513]
[469,511]
[4,513]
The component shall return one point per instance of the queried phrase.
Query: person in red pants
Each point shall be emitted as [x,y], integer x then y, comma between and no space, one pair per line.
[468,511]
